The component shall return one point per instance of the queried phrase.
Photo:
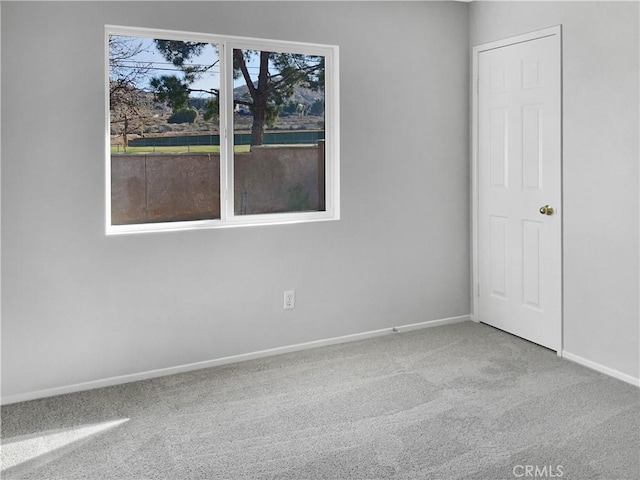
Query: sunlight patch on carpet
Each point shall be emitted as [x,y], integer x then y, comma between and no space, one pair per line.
[17,450]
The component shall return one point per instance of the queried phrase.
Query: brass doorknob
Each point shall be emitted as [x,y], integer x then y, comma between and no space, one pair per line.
[546,210]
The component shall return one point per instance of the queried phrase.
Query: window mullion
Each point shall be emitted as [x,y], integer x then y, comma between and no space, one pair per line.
[226,127]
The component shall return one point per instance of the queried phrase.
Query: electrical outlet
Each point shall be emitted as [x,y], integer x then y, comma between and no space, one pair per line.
[289,299]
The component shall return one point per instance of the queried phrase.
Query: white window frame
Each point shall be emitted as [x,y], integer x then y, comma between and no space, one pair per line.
[228,218]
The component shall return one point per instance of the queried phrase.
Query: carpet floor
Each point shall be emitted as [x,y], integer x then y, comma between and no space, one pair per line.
[462,401]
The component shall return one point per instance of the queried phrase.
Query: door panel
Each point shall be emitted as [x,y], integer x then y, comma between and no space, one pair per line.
[531,263]
[518,172]
[499,144]
[531,146]
[499,256]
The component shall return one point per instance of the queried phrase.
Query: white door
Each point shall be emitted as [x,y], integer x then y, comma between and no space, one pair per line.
[518,175]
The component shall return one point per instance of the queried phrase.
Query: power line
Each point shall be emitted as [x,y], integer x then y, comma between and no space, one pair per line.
[148,65]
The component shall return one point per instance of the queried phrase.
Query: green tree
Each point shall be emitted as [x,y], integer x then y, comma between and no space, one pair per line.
[278,75]
[172,90]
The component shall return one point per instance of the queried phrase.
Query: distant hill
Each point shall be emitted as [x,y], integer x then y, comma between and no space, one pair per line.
[301,95]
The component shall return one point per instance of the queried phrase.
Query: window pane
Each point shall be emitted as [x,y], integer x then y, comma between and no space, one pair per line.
[279,132]
[164,130]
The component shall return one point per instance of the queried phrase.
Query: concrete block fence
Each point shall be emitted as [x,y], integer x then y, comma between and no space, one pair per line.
[163,187]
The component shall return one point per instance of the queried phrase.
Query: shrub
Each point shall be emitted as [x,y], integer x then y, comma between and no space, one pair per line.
[298,199]
[188,115]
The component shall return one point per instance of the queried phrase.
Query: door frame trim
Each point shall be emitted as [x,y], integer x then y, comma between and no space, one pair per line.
[555,31]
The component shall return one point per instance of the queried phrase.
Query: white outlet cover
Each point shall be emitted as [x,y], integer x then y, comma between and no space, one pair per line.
[289,299]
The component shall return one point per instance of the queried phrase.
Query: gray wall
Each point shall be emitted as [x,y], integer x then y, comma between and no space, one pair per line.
[600,169]
[79,306]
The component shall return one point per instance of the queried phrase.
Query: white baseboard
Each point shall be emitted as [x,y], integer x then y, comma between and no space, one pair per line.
[108,382]
[601,368]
